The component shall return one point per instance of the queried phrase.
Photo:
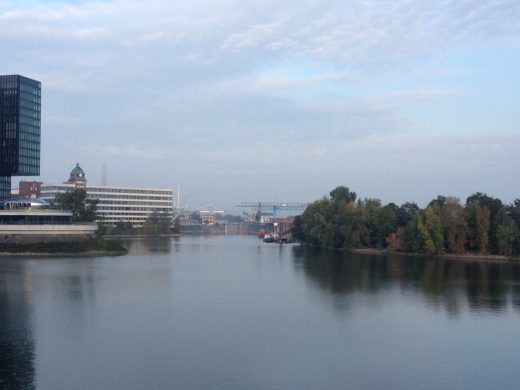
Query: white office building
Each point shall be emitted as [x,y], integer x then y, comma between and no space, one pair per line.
[116,203]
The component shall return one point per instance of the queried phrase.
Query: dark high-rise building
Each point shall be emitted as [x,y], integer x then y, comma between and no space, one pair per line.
[20,115]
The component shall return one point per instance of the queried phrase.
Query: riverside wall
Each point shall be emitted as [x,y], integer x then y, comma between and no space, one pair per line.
[46,234]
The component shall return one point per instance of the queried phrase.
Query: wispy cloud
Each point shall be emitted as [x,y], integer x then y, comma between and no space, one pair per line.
[130,151]
[423,94]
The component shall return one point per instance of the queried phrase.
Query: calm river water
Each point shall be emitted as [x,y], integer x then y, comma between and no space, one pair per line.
[231,312]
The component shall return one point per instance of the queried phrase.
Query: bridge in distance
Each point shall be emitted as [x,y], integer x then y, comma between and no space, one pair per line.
[274,207]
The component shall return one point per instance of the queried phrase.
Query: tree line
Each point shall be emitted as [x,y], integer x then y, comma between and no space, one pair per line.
[483,225]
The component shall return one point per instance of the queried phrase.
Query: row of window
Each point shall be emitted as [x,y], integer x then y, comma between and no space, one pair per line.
[35,154]
[31,138]
[10,125]
[33,90]
[133,208]
[123,199]
[29,121]
[29,145]
[101,191]
[26,169]
[120,214]
[130,190]
[28,128]
[29,113]
[10,134]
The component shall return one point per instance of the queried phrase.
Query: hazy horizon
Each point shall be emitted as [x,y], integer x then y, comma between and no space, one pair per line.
[398,100]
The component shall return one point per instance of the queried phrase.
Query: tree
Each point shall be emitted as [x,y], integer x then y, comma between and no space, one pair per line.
[397,240]
[83,209]
[405,213]
[453,224]
[493,205]
[386,224]
[507,233]
[424,231]
[176,226]
[342,193]
[157,223]
[478,219]
[514,213]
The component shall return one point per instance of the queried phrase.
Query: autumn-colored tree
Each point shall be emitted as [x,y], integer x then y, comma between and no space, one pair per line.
[454,225]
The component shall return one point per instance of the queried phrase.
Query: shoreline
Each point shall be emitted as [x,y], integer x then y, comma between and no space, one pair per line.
[63,254]
[91,247]
[454,256]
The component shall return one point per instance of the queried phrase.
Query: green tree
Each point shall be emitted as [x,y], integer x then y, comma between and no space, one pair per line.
[386,224]
[494,206]
[514,213]
[157,223]
[83,209]
[176,226]
[342,193]
[506,234]
[424,231]
[478,220]
[405,213]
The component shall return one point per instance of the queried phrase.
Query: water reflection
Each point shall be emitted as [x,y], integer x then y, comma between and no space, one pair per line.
[16,339]
[150,245]
[452,285]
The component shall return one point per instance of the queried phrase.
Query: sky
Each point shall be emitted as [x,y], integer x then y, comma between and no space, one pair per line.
[239,101]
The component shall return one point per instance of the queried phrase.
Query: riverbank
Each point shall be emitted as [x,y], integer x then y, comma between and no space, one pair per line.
[92,247]
[464,256]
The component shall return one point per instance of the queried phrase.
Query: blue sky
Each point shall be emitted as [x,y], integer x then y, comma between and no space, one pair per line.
[267,100]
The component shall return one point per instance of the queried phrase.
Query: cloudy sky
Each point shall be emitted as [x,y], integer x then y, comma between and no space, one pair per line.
[276,100]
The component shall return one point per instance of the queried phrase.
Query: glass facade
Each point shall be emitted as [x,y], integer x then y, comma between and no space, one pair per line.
[20,127]
[5,187]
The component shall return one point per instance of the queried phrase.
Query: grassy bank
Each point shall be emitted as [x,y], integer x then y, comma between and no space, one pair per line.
[93,247]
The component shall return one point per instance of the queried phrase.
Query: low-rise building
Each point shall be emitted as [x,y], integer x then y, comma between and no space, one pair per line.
[34,221]
[116,203]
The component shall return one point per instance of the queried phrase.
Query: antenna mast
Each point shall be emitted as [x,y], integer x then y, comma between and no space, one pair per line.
[104,175]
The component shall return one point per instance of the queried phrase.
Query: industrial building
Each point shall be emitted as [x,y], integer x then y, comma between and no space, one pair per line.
[116,203]
[20,127]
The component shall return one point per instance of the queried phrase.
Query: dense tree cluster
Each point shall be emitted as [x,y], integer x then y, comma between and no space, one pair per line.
[484,225]
[157,223]
[83,209]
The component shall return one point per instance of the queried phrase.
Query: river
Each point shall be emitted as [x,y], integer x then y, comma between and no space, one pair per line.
[231,312]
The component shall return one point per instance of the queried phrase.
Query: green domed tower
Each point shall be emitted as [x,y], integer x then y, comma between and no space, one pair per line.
[77,177]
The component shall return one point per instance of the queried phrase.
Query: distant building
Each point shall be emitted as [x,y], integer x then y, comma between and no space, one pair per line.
[207,218]
[20,126]
[28,189]
[116,203]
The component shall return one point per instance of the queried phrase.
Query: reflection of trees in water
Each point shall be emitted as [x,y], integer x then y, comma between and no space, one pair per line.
[16,342]
[445,283]
[147,245]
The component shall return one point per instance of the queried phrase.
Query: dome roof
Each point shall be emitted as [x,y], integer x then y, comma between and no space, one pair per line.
[77,174]
[77,169]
